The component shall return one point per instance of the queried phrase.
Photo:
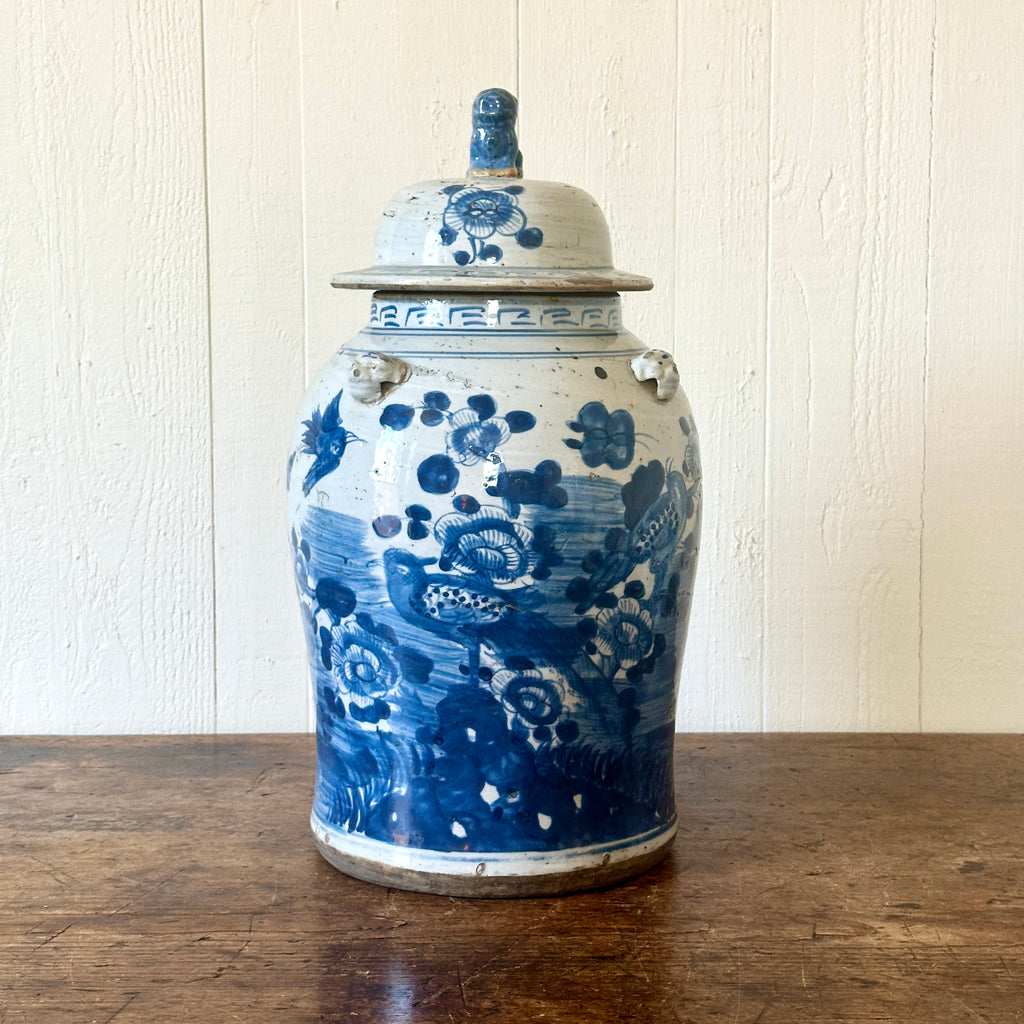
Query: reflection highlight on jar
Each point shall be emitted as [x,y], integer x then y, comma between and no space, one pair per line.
[385,456]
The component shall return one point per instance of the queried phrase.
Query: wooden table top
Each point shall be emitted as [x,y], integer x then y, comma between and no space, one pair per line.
[814,878]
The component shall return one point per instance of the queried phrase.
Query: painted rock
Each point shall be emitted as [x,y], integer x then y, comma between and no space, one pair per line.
[494,497]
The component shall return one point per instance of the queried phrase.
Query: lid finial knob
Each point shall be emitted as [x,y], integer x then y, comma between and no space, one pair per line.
[494,149]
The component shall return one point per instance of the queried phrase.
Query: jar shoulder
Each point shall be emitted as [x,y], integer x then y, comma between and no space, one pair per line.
[552,373]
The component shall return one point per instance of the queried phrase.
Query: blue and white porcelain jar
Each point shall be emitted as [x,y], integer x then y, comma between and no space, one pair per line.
[494,497]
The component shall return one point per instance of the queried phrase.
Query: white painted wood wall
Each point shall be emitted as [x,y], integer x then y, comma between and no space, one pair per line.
[829,195]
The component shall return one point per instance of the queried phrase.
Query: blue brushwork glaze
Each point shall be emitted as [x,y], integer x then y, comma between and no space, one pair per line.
[539,486]
[495,667]
[440,602]
[494,145]
[326,440]
[475,215]
[475,316]
[473,434]
[487,543]
[437,474]
[657,506]
[473,437]
[608,437]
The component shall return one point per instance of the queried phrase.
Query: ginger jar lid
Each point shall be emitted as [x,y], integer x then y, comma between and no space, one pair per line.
[493,230]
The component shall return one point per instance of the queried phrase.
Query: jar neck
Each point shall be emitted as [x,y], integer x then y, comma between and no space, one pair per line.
[573,315]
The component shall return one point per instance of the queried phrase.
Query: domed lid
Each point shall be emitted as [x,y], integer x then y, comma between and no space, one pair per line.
[493,230]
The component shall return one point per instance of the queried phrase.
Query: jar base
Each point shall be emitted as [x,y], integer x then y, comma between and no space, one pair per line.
[491,874]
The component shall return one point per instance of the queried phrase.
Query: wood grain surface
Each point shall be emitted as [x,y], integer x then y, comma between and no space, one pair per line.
[815,878]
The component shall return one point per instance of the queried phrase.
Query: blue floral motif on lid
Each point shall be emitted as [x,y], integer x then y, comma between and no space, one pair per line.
[483,212]
[480,214]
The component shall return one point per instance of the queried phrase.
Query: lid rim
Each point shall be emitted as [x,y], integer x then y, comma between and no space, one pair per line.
[514,279]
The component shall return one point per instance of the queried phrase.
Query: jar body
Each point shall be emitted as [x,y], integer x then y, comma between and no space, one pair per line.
[495,530]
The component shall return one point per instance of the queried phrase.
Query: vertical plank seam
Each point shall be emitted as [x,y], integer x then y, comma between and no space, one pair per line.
[925,367]
[518,45]
[210,398]
[677,100]
[766,371]
[305,204]
[304,228]
[674,320]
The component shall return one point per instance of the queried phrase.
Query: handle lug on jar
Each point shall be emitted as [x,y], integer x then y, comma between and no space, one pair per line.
[658,366]
[374,375]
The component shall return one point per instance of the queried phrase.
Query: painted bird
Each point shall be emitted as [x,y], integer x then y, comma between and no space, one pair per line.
[449,606]
[441,602]
[655,536]
[652,535]
[325,439]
